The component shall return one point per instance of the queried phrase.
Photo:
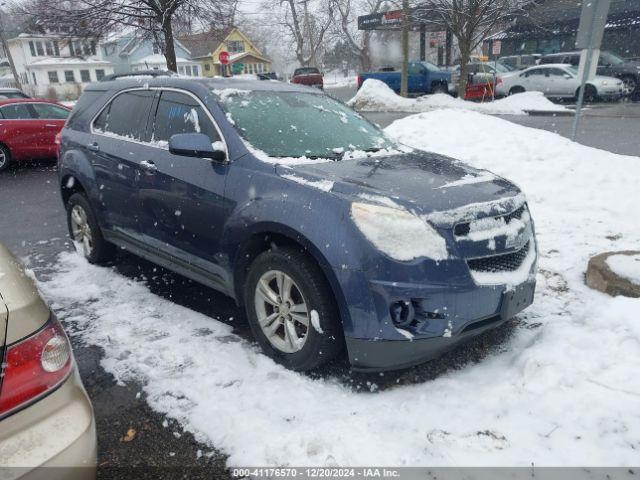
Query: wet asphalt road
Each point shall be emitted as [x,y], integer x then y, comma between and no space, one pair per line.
[33,225]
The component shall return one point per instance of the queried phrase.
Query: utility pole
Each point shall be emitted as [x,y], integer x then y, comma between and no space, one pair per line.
[404,80]
[5,47]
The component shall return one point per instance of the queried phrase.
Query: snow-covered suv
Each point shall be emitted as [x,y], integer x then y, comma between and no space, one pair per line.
[326,232]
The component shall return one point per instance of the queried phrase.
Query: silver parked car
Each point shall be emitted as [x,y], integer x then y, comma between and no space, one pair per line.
[559,81]
[46,419]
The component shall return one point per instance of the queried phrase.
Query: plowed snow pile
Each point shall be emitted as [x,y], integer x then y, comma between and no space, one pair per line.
[562,390]
[376,96]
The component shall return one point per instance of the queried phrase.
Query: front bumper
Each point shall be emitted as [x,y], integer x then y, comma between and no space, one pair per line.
[381,355]
[54,438]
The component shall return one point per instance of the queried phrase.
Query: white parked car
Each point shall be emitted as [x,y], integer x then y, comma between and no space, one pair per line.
[558,81]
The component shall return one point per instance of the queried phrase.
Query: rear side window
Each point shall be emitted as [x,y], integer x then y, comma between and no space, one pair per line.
[126,115]
[180,113]
[306,71]
[50,112]
[17,111]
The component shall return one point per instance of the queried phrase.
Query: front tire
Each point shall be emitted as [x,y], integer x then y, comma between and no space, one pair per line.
[291,309]
[5,158]
[630,85]
[85,231]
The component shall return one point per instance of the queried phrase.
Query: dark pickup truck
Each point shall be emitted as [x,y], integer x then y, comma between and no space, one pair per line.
[424,78]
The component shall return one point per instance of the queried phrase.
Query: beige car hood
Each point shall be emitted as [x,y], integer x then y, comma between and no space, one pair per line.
[20,300]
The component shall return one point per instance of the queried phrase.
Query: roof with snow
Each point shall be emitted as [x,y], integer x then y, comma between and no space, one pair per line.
[159,59]
[50,61]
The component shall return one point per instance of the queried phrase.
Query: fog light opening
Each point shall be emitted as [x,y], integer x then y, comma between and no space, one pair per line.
[402,313]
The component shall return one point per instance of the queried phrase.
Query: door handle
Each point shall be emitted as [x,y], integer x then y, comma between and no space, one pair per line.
[148,166]
[50,125]
[94,147]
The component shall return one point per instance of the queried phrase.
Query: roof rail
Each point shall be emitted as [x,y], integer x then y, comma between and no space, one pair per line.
[139,73]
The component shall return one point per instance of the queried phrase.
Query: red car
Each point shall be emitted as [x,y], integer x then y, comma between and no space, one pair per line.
[28,128]
[309,76]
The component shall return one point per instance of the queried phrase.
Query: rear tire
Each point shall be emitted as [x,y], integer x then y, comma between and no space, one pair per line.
[515,90]
[85,231]
[5,158]
[291,309]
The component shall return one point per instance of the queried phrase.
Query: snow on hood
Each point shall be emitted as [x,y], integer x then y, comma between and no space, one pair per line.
[376,96]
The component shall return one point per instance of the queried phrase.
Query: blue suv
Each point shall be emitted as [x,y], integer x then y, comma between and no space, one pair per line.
[329,234]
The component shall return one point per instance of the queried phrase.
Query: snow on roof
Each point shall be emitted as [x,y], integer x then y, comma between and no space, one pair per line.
[68,61]
[158,58]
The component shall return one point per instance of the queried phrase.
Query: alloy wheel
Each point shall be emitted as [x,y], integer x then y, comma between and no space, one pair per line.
[3,158]
[282,311]
[628,85]
[82,234]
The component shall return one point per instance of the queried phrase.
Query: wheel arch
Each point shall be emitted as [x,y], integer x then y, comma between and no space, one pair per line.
[274,235]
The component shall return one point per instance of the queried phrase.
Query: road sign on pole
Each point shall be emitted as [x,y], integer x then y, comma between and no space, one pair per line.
[496,48]
[592,22]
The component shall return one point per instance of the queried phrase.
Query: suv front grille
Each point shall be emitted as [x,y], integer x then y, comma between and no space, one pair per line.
[500,263]
[463,229]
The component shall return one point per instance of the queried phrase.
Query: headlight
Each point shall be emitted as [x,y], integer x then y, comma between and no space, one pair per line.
[605,82]
[398,233]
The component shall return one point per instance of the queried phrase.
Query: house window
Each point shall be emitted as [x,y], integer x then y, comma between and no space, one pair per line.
[53,77]
[39,49]
[33,75]
[99,74]
[49,48]
[156,49]
[56,48]
[195,70]
[181,70]
[32,47]
[68,76]
[235,46]
[207,67]
[85,76]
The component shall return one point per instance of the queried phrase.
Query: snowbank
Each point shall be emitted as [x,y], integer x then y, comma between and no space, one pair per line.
[561,391]
[376,96]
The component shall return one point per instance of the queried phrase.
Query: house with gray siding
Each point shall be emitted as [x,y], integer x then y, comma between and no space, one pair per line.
[136,50]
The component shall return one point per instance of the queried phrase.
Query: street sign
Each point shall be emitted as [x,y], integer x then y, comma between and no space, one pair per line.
[496,47]
[223,57]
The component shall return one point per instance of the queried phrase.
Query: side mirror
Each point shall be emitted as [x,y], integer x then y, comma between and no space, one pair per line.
[567,76]
[196,145]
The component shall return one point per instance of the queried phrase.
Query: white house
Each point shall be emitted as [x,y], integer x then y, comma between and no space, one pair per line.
[53,65]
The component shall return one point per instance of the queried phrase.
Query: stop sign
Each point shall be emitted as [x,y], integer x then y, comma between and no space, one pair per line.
[224,58]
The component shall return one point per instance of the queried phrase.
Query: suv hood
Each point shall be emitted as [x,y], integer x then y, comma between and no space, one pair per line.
[424,183]
[19,300]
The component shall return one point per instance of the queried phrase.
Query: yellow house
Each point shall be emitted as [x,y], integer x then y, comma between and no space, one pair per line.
[206,48]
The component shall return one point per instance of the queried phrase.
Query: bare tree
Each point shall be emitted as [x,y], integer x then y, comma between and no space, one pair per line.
[308,28]
[358,40]
[471,21]
[155,18]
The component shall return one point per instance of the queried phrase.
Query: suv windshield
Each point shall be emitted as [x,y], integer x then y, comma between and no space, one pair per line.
[291,124]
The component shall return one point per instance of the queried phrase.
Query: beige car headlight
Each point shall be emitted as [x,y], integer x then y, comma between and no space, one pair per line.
[398,233]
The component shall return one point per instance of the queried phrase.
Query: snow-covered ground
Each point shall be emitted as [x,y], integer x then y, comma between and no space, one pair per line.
[376,96]
[562,390]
